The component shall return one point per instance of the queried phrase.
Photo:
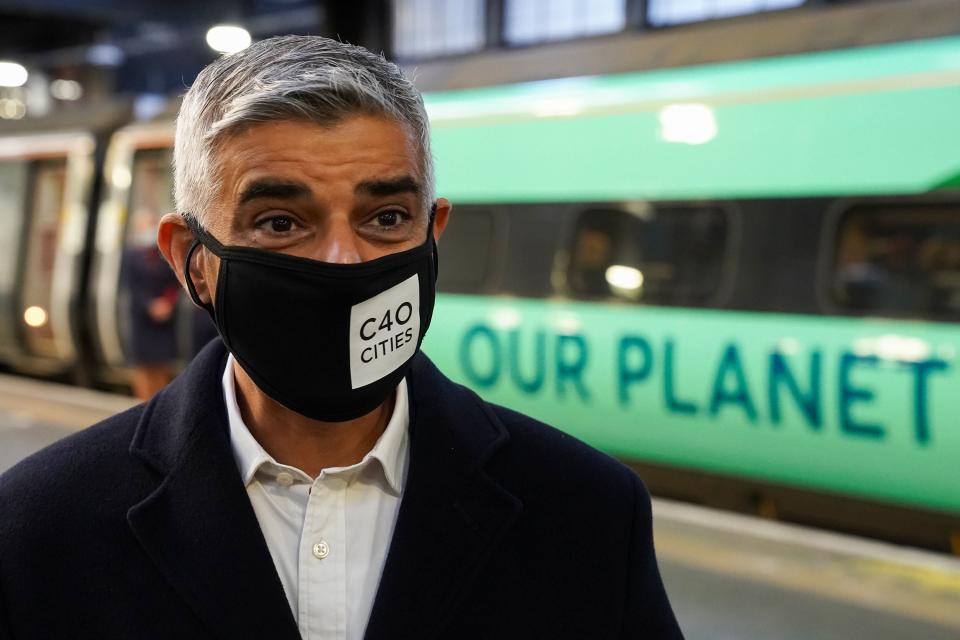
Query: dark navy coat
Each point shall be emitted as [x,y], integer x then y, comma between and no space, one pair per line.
[139,527]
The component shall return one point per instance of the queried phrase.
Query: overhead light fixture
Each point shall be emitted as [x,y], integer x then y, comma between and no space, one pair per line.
[105,55]
[13,74]
[148,106]
[66,90]
[228,38]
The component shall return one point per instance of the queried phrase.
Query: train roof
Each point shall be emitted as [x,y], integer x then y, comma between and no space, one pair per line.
[871,120]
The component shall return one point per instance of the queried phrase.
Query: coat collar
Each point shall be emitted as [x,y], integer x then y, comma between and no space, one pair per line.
[452,515]
[199,528]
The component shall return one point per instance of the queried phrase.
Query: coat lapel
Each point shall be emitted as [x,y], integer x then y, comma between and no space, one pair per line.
[198,526]
[452,515]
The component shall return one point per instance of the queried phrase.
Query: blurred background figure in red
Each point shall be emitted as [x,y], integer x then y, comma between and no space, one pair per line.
[151,292]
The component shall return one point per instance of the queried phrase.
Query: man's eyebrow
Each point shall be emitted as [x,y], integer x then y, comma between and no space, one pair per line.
[388,186]
[273,188]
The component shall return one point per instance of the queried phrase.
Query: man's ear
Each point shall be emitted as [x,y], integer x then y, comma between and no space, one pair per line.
[441,217]
[174,238]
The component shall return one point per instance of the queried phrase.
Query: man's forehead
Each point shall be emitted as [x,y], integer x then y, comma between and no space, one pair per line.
[375,155]
[358,131]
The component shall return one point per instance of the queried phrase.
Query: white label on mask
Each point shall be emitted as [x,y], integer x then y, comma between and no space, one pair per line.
[384,331]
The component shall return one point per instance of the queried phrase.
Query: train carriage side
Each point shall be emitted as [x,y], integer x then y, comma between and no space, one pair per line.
[45,187]
[740,275]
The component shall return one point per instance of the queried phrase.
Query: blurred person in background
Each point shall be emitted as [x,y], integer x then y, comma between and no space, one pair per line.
[152,291]
[314,475]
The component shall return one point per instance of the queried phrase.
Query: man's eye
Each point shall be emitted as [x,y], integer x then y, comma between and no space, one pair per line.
[389,218]
[280,224]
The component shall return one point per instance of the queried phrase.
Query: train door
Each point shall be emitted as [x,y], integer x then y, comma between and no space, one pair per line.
[131,279]
[45,180]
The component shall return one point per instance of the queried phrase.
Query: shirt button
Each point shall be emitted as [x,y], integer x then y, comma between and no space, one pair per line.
[321,550]
[285,478]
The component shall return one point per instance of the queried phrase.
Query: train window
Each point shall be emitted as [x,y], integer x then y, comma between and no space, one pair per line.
[899,259]
[151,195]
[428,28]
[670,255]
[663,13]
[49,178]
[467,241]
[13,193]
[532,21]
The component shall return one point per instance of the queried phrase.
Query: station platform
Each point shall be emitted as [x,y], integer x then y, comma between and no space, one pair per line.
[729,576]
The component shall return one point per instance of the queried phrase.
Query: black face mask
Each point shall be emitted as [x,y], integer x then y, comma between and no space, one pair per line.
[329,341]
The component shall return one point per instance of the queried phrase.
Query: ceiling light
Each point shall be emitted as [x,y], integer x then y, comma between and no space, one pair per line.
[228,39]
[66,90]
[12,74]
[105,55]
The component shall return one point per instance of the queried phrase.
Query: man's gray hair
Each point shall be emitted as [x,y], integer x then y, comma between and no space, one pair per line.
[286,78]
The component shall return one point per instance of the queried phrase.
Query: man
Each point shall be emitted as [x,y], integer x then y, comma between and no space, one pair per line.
[319,478]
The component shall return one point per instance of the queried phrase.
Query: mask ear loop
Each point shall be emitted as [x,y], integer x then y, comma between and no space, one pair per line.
[198,235]
[189,280]
[432,240]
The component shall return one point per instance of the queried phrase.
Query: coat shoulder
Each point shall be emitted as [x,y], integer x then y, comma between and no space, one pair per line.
[532,454]
[63,476]
[557,459]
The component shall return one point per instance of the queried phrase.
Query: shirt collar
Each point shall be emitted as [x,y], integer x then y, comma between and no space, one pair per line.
[391,449]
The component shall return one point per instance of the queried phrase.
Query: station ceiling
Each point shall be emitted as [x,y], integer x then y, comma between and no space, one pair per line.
[157,46]
[35,26]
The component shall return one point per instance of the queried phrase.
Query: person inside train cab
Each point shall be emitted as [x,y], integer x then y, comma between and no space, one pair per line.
[312,474]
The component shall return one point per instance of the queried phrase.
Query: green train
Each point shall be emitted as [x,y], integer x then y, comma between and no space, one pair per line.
[743,278]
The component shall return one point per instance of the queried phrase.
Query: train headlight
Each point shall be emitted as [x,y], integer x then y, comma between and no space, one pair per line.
[35,316]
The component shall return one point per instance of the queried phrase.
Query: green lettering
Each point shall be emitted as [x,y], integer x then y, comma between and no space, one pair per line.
[850,395]
[571,368]
[535,383]
[674,404]
[781,376]
[629,374]
[740,395]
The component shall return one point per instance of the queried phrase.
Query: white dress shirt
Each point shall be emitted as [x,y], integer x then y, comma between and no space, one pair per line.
[328,536]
